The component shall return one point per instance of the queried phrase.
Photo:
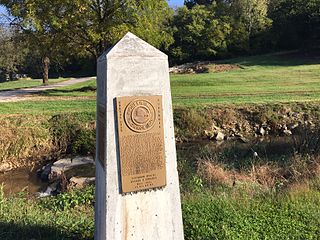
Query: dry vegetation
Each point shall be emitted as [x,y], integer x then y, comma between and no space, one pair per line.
[30,140]
[267,176]
[23,141]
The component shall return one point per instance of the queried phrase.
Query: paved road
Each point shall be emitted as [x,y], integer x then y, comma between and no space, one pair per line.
[19,93]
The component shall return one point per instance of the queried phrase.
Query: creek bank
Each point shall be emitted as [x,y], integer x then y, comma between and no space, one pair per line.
[265,150]
[241,123]
[28,140]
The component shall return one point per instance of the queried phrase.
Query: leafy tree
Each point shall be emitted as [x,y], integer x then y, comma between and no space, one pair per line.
[83,27]
[34,18]
[152,21]
[198,33]
[296,23]
[96,25]
[12,52]
[249,22]
[192,3]
[252,13]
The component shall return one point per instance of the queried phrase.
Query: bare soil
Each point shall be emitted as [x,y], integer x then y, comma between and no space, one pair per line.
[203,67]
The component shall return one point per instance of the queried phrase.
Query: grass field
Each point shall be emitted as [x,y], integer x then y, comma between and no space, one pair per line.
[261,79]
[26,83]
[227,215]
[49,106]
[227,197]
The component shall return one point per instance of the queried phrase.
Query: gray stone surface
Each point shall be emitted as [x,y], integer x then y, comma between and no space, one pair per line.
[134,68]
[78,166]
[81,182]
[220,136]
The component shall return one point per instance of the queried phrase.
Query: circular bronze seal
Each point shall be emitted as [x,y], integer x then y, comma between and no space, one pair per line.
[140,115]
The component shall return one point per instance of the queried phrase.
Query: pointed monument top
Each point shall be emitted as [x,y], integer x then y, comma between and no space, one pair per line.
[132,46]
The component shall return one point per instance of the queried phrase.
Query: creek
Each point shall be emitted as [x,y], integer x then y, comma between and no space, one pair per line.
[235,152]
[19,180]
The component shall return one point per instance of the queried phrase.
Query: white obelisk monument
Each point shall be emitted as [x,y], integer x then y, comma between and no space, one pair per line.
[137,186]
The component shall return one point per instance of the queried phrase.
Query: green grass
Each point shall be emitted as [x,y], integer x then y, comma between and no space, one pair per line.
[261,79]
[226,213]
[49,107]
[266,217]
[83,89]
[26,83]
[22,218]
[206,216]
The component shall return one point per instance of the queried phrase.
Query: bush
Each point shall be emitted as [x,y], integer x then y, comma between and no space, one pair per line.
[24,138]
[69,200]
[74,133]
[190,123]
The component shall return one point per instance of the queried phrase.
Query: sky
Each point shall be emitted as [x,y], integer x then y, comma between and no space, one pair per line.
[175,3]
[1,9]
[2,20]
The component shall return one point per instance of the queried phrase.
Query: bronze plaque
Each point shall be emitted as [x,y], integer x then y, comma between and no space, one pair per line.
[141,141]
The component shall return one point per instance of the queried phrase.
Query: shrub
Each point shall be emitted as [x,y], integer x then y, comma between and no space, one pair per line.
[73,133]
[69,200]
[190,123]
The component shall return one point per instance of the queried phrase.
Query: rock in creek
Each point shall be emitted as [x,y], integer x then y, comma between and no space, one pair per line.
[67,173]
[44,172]
[262,132]
[5,167]
[287,132]
[81,182]
[220,136]
[70,167]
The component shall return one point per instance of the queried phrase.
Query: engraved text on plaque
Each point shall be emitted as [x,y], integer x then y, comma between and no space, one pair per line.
[141,141]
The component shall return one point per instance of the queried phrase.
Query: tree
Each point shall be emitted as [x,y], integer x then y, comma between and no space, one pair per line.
[192,3]
[152,22]
[199,34]
[249,22]
[12,52]
[296,23]
[95,25]
[83,27]
[252,13]
[34,18]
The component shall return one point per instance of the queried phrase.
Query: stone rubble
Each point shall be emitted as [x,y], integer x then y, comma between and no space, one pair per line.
[78,172]
[249,122]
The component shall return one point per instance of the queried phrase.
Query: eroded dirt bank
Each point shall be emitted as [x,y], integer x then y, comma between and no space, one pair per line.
[248,121]
[27,140]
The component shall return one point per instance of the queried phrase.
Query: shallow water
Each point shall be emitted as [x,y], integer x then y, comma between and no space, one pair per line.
[21,179]
[268,148]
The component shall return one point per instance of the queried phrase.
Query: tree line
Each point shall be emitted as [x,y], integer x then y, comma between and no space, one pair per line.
[68,35]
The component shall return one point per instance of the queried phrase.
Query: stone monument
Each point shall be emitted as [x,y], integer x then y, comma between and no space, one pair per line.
[137,187]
